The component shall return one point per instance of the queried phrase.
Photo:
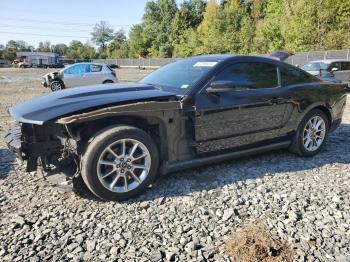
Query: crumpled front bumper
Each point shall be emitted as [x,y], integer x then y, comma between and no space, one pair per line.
[45,81]
[13,140]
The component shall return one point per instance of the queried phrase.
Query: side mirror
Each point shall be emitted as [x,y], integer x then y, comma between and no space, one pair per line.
[334,69]
[221,86]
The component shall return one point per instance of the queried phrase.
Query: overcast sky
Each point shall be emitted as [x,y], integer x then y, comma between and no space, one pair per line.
[64,20]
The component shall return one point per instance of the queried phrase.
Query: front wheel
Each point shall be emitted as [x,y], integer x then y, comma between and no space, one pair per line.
[120,163]
[311,134]
[56,86]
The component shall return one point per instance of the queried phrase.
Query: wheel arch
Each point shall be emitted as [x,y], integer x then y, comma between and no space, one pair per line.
[152,125]
[323,107]
[107,81]
[59,80]
[326,111]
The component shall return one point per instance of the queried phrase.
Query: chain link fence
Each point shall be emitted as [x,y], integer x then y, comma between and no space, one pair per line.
[298,59]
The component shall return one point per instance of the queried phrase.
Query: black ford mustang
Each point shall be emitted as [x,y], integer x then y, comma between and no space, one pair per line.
[192,112]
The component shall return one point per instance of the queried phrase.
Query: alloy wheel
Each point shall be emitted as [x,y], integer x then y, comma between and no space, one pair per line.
[56,86]
[123,165]
[314,133]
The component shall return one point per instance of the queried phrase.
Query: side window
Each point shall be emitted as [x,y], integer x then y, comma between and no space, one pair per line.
[71,70]
[82,69]
[77,70]
[345,66]
[95,68]
[293,76]
[335,65]
[250,75]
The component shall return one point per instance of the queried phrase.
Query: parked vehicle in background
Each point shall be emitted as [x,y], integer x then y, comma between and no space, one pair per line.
[340,69]
[4,63]
[193,112]
[80,74]
[59,65]
[39,66]
[328,76]
[24,65]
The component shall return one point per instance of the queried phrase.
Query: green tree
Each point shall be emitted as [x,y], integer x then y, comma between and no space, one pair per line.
[156,19]
[188,17]
[208,33]
[44,46]
[74,50]
[102,34]
[60,49]
[138,43]
[188,44]
[2,48]
[9,54]
[118,48]
[269,31]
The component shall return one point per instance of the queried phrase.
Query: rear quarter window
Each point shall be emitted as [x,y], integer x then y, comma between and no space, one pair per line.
[294,76]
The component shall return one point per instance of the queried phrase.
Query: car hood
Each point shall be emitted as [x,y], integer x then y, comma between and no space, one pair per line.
[84,99]
[52,74]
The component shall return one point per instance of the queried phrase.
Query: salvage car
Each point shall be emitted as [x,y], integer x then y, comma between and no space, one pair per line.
[80,74]
[193,112]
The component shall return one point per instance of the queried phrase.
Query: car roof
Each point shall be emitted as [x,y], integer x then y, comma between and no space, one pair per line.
[328,61]
[88,63]
[223,57]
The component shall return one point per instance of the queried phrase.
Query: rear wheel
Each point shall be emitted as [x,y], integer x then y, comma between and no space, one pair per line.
[108,82]
[120,163]
[56,86]
[311,134]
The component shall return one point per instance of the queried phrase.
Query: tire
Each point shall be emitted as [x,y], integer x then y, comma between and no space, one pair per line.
[301,144]
[100,177]
[108,82]
[56,85]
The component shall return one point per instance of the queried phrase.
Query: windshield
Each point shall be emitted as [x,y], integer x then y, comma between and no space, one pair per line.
[179,76]
[315,66]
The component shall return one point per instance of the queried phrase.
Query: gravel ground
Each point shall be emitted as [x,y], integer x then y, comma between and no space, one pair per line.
[186,216]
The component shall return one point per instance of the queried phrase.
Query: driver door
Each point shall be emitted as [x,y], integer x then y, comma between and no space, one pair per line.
[250,112]
[76,75]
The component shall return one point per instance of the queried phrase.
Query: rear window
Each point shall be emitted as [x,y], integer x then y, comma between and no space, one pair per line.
[95,68]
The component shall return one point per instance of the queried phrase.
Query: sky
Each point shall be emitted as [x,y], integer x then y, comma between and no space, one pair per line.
[62,21]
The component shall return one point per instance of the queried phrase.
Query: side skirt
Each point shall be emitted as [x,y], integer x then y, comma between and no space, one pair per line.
[191,163]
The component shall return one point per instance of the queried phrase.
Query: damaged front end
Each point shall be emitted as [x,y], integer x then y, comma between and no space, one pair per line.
[48,149]
[48,78]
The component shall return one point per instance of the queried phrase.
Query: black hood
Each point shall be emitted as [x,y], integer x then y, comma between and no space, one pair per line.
[75,100]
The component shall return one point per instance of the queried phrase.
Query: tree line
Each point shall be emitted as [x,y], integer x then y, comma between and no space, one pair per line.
[204,27]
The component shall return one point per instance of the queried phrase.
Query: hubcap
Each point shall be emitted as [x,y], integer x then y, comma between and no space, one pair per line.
[56,86]
[314,133]
[123,165]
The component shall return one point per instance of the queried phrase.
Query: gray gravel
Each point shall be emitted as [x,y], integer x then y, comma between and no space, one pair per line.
[186,216]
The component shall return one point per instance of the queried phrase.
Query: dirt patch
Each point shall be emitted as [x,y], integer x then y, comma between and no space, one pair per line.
[255,243]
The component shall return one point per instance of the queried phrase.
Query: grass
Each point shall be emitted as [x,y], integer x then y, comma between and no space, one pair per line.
[255,243]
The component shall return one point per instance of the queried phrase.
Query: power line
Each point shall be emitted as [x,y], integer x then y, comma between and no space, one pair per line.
[54,22]
[44,28]
[48,35]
